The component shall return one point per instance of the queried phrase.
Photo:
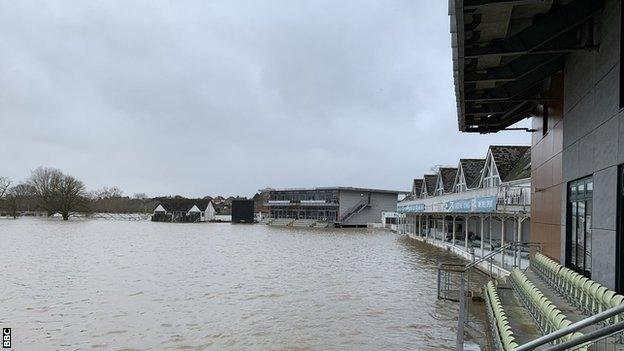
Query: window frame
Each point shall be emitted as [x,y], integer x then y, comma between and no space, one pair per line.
[579,214]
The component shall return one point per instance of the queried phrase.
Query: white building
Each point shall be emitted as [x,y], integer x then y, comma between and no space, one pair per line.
[184,210]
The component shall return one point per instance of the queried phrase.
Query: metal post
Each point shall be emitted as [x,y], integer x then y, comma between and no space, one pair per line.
[519,240]
[453,230]
[502,241]
[419,225]
[427,227]
[459,346]
[466,234]
[490,232]
[482,249]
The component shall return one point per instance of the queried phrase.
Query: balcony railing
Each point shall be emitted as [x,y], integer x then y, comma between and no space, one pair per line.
[514,195]
[504,198]
[300,203]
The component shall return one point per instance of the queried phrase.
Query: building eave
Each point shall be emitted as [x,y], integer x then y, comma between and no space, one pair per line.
[508,50]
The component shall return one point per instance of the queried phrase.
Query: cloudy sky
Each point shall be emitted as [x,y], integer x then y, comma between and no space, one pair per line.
[226,97]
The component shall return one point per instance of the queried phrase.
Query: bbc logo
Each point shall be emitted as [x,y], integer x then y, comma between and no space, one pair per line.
[6,338]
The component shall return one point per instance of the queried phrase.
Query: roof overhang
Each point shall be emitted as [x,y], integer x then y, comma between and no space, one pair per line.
[505,51]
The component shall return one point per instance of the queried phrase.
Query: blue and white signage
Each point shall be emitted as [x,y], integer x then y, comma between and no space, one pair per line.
[485,204]
[478,204]
[474,205]
[410,208]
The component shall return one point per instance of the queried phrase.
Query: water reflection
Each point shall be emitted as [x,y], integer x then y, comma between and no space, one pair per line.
[135,286]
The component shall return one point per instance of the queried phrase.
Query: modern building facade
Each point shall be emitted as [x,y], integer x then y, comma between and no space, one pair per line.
[558,63]
[340,206]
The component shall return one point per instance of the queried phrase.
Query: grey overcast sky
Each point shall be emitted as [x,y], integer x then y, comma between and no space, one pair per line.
[226,97]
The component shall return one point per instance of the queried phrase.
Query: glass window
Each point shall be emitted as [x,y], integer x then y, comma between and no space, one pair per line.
[579,236]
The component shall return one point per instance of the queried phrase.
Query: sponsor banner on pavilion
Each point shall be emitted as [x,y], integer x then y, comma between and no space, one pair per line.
[410,208]
[477,204]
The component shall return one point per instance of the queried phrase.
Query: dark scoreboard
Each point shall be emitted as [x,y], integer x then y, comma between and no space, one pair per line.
[242,211]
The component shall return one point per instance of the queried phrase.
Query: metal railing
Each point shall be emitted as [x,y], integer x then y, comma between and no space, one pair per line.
[458,281]
[588,339]
[358,207]
[514,195]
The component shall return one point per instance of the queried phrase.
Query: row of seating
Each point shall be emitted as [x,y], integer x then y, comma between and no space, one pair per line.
[505,335]
[587,295]
[547,316]
[282,222]
[304,223]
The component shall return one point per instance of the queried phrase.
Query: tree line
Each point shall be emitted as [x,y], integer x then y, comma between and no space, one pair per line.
[51,191]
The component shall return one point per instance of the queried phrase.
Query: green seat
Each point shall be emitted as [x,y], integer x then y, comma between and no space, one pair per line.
[597,305]
[591,290]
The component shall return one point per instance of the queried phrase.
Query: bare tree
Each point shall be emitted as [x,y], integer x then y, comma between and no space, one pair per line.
[57,192]
[16,197]
[72,196]
[139,196]
[45,183]
[108,193]
[5,183]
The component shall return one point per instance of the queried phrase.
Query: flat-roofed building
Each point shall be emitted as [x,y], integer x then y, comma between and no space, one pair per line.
[338,206]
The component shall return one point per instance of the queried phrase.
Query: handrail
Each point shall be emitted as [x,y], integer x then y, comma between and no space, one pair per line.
[482,259]
[531,345]
[358,206]
[494,253]
[595,335]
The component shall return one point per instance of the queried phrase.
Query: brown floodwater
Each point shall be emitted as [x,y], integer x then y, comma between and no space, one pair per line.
[116,285]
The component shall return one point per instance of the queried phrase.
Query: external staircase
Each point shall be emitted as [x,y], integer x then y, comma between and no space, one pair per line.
[355,209]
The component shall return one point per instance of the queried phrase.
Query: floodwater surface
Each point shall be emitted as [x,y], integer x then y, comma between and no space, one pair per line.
[115,285]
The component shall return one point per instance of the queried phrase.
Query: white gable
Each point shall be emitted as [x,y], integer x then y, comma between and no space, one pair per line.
[194,209]
[208,206]
[439,184]
[160,208]
[489,175]
[459,184]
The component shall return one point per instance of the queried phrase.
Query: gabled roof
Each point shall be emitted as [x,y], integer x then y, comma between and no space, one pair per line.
[522,169]
[429,181]
[507,157]
[417,186]
[472,168]
[183,205]
[447,175]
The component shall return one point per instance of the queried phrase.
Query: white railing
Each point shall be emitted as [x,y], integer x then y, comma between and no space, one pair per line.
[514,195]
[505,197]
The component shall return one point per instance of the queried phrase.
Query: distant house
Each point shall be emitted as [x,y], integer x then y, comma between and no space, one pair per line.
[184,210]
